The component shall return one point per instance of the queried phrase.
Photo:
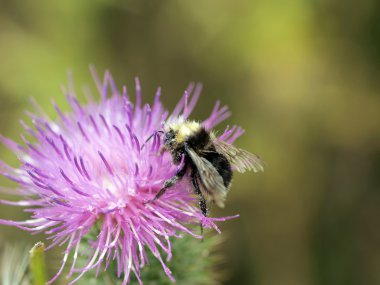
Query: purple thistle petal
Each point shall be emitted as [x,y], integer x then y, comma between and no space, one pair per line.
[105,123]
[194,99]
[84,168]
[82,131]
[11,144]
[217,116]
[119,133]
[95,125]
[178,108]
[105,163]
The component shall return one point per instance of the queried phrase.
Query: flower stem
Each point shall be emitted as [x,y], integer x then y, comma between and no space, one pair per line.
[37,264]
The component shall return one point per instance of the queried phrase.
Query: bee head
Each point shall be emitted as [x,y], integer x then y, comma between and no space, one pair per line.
[170,138]
[178,131]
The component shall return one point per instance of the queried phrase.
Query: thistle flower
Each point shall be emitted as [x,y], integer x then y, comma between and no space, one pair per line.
[87,171]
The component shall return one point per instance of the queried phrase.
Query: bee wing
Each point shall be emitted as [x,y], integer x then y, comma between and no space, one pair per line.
[213,186]
[240,159]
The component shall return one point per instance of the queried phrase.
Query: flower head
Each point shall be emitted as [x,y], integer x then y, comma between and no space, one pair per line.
[87,170]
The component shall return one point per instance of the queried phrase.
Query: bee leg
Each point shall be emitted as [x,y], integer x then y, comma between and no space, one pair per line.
[169,183]
[150,137]
[161,150]
[201,198]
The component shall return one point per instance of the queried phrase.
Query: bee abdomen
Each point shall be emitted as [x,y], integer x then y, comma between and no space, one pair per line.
[222,165]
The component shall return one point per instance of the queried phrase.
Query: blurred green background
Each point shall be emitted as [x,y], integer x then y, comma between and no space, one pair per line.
[301,76]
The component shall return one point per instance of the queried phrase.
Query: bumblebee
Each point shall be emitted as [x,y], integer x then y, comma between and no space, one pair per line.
[209,161]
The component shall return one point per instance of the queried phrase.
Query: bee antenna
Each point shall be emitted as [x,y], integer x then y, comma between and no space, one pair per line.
[150,137]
